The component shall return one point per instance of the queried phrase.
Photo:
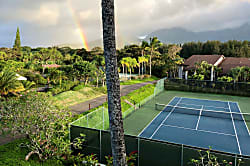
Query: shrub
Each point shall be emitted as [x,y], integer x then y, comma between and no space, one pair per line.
[79,87]
[131,158]
[209,159]
[225,78]
[147,76]
[45,126]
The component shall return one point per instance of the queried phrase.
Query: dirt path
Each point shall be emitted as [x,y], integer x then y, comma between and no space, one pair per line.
[85,106]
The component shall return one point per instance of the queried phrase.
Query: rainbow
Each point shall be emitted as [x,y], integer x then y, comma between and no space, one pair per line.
[78,25]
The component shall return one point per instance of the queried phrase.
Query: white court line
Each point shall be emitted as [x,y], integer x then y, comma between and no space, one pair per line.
[164,119]
[199,109]
[213,132]
[234,128]
[203,105]
[243,118]
[155,117]
[206,99]
[199,118]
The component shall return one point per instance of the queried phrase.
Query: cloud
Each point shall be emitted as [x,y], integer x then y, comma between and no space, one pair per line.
[50,22]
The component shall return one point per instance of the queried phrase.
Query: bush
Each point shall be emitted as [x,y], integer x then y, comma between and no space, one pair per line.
[79,87]
[147,76]
[45,126]
[208,159]
[226,79]
[65,86]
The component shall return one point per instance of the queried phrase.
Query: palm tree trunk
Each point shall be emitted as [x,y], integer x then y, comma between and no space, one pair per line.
[97,81]
[142,68]
[139,69]
[150,64]
[123,70]
[130,73]
[113,85]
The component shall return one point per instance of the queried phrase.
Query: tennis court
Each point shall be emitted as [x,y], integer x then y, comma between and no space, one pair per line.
[201,123]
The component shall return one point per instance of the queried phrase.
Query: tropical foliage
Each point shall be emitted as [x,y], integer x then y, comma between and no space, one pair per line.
[9,83]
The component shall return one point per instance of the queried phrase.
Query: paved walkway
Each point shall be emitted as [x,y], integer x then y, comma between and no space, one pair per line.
[85,106]
[82,107]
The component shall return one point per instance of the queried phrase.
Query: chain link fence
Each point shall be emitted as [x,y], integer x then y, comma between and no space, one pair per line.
[95,126]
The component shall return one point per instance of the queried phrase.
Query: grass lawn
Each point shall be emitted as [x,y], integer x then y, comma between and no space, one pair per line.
[137,81]
[70,98]
[135,123]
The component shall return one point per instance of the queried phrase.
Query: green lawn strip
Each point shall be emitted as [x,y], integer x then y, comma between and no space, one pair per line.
[70,98]
[137,81]
[135,123]
[12,154]
[133,97]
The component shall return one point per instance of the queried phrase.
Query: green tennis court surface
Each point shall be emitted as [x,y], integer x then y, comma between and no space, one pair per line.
[201,123]
[138,120]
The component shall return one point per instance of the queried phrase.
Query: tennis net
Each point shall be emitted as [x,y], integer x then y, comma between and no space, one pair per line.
[203,112]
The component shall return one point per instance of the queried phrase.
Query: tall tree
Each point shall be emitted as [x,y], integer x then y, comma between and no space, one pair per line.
[17,44]
[113,85]
[154,44]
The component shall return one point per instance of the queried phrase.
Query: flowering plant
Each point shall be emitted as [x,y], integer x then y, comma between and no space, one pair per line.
[209,159]
[131,158]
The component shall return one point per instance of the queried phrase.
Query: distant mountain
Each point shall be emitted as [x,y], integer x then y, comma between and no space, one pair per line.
[180,35]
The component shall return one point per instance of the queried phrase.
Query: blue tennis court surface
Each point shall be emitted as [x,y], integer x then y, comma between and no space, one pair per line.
[201,123]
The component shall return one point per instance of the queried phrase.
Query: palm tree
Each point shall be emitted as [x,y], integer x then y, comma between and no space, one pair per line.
[123,61]
[142,60]
[9,83]
[113,85]
[132,63]
[144,46]
[154,44]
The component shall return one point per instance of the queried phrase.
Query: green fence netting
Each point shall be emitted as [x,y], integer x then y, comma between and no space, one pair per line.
[230,88]
[99,118]
[150,152]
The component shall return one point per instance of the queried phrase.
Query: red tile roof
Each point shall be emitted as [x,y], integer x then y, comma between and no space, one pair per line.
[210,59]
[232,62]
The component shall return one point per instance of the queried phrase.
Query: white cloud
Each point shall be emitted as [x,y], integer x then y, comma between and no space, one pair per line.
[48,14]
[52,18]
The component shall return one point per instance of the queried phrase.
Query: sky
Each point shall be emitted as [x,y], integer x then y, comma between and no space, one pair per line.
[56,22]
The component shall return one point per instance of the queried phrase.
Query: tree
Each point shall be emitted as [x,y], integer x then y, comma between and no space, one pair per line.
[154,44]
[144,45]
[123,62]
[113,85]
[130,64]
[17,44]
[84,70]
[9,83]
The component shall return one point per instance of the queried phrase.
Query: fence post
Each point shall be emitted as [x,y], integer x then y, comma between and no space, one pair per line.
[103,118]
[182,155]
[138,150]
[100,146]
[87,120]
[235,160]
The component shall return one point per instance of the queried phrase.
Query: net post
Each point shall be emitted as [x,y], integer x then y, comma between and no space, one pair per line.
[182,149]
